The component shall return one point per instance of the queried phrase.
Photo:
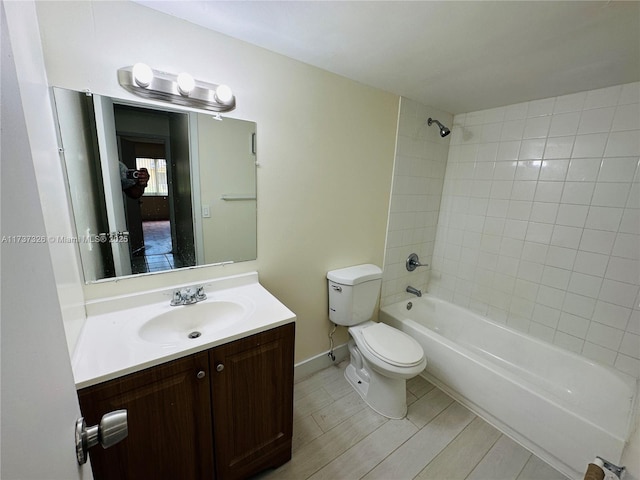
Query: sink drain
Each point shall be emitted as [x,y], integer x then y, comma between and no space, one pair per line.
[195,334]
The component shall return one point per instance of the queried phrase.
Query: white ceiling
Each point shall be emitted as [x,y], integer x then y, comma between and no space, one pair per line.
[454,56]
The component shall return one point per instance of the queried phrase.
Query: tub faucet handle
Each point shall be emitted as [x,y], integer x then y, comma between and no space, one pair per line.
[413,262]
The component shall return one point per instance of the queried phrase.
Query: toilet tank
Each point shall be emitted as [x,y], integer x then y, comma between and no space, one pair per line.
[353,293]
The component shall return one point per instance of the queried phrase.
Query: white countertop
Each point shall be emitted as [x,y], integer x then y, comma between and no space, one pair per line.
[109,345]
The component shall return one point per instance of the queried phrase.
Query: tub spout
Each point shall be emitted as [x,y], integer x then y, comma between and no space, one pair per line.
[415,291]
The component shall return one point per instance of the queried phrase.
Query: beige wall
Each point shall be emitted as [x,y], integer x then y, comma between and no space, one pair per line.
[326,145]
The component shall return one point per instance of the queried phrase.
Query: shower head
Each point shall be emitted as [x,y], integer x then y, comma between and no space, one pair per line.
[444,131]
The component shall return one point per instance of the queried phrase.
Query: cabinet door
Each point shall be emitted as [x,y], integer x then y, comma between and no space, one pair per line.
[252,395]
[169,416]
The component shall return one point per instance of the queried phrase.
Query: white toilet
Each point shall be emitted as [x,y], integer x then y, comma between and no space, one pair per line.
[382,357]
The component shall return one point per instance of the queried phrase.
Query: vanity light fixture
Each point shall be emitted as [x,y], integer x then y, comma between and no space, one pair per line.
[182,89]
[142,74]
[186,83]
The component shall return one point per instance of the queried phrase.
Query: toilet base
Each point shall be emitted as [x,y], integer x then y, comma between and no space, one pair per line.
[387,396]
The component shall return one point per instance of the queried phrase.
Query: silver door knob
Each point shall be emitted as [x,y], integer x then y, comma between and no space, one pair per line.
[201,374]
[112,428]
[219,367]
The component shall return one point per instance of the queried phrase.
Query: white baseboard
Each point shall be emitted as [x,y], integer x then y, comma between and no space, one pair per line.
[319,362]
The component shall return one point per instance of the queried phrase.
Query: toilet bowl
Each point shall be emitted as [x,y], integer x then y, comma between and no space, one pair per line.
[382,358]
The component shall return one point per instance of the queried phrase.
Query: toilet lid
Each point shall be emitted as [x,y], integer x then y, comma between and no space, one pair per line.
[392,346]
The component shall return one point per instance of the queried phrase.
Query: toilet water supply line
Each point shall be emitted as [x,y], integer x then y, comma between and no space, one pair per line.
[331,332]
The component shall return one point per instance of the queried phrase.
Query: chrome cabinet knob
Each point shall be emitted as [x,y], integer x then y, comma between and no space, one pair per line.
[201,374]
[219,367]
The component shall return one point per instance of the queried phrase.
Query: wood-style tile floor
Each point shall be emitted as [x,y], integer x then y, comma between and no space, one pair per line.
[337,436]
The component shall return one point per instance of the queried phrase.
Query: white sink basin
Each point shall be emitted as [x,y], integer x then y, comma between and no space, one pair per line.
[190,322]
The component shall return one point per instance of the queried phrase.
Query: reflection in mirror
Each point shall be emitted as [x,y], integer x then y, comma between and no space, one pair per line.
[153,190]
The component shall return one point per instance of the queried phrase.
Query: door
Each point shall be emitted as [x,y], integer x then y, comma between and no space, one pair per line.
[109,159]
[38,398]
[182,228]
[252,395]
[169,416]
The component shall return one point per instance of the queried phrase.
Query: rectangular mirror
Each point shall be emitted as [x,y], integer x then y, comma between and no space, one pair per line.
[198,204]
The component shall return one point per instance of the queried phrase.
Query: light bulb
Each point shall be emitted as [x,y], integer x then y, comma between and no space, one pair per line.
[142,74]
[224,94]
[186,83]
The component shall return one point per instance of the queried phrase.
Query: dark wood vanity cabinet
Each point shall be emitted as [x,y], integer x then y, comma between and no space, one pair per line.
[225,413]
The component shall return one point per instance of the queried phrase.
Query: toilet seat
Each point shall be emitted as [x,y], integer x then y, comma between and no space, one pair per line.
[392,346]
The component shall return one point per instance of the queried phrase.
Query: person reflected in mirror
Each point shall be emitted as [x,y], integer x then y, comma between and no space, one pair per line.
[133,181]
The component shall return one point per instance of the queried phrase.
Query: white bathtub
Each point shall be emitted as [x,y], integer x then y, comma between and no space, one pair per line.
[563,407]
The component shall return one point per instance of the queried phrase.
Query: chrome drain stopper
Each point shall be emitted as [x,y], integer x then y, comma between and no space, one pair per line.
[195,334]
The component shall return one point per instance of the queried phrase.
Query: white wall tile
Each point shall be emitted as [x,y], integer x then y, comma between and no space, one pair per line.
[565,124]
[612,315]
[590,146]
[617,169]
[627,245]
[623,144]
[561,257]
[597,241]
[513,130]
[508,151]
[619,293]
[578,305]
[627,117]
[555,170]
[549,192]
[573,325]
[566,236]
[630,345]
[532,149]
[541,225]
[597,120]
[583,169]
[591,263]
[551,297]
[537,127]
[604,218]
[587,285]
[528,170]
[630,93]
[578,192]
[572,215]
[623,270]
[604,336]
[611,194]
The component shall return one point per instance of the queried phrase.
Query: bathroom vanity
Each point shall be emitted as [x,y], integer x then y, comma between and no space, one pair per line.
[222,409]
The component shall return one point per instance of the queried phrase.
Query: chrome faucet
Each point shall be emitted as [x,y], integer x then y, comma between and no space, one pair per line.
[415,291]
[188,296]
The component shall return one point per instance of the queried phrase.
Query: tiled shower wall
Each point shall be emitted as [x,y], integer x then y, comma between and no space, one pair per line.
[540,220]
[420,163]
